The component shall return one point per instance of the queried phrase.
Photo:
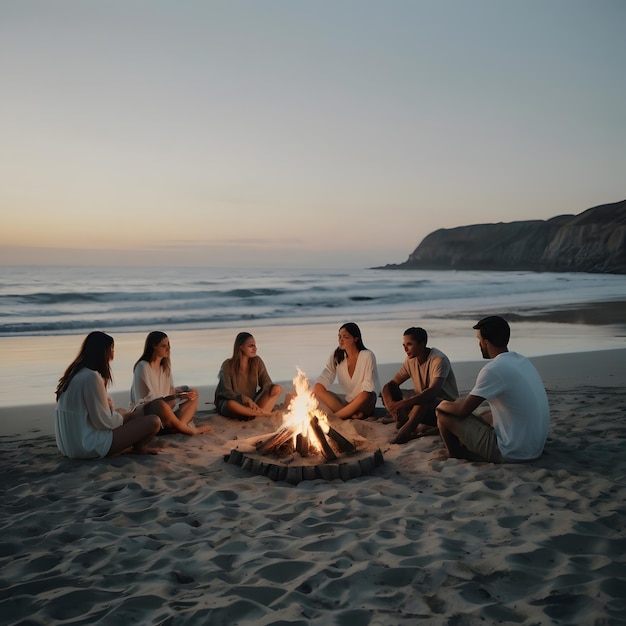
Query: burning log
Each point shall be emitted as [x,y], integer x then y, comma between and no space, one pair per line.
[274,442]
[302,445]
[344,444]
[327,451]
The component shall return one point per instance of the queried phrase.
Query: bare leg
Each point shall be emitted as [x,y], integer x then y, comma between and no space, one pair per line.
[241,411]
[419,414]
[402,417]
[329,401]
[392,393]
[164,411]
[187,410]
[137,432]
[267,401]
[171,421]
[362,406]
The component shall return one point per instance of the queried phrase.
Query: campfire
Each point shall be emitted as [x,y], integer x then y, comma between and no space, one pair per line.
[307,445]
[305,429]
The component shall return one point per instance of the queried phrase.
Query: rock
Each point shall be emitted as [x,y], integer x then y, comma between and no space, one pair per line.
[593,241]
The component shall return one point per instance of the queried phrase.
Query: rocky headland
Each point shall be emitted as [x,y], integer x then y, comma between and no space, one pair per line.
[593,241]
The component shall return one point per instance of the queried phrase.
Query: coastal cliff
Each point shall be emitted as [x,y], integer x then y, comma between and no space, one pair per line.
[593,241]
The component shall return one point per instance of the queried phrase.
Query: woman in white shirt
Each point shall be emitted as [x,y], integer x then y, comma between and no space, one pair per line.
[153,388]
[354,366]
[86,425]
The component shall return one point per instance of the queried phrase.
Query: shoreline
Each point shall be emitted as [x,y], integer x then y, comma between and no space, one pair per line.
[605,368]
[32,365]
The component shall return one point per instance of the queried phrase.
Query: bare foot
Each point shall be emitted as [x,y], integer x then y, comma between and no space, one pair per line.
[403,439]
[426,431]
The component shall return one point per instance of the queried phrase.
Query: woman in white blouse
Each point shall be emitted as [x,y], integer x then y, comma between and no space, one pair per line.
[354,366]
[154,388]
[86,425]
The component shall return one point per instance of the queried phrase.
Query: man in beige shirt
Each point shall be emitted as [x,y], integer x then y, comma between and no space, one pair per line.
[433,381]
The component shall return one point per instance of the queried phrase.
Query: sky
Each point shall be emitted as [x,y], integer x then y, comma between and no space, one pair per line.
[328,133]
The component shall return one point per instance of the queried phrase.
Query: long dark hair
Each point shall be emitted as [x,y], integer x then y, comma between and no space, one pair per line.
[95,354]
[240,339]
[152,341]
[354,331]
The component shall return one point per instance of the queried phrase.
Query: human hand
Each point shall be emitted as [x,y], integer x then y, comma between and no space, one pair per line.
[192,394]
[205,428]
[129,415]
[249,402]
[393,408]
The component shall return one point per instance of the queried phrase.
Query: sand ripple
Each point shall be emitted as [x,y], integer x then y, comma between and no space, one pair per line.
[184,538]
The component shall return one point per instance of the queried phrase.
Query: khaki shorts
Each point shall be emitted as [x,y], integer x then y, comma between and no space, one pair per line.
[479,438]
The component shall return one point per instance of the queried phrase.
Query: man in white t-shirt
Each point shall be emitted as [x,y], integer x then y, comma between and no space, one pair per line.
[517,428]
[433,380]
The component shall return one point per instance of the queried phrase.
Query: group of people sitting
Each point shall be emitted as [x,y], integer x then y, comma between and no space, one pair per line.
[514,428]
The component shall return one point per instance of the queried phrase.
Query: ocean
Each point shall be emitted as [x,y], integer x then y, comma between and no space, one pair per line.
[293,313]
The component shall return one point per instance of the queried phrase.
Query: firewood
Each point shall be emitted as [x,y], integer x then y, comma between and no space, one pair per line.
[235,457]
[309,472]
[272,472]
[302,445]
[378,457]
[327,451]
[344,471]
[355,469]
[294,475]
[329,471]
[258,467]
[367,465]
[345,445]
[275,441]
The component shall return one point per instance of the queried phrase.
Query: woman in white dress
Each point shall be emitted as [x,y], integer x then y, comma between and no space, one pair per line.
[153,387]
[354,366]
[87,426]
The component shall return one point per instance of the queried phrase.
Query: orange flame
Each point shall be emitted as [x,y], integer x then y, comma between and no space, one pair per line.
[302,408]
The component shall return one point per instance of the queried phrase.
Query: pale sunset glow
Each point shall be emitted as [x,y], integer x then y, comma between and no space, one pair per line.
[279,133]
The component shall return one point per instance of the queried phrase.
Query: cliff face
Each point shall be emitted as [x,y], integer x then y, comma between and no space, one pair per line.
[594,241]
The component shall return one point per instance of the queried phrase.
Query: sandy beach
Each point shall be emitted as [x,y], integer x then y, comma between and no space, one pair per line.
[185,538]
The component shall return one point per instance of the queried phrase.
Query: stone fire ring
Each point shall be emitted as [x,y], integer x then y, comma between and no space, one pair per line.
[361,463]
